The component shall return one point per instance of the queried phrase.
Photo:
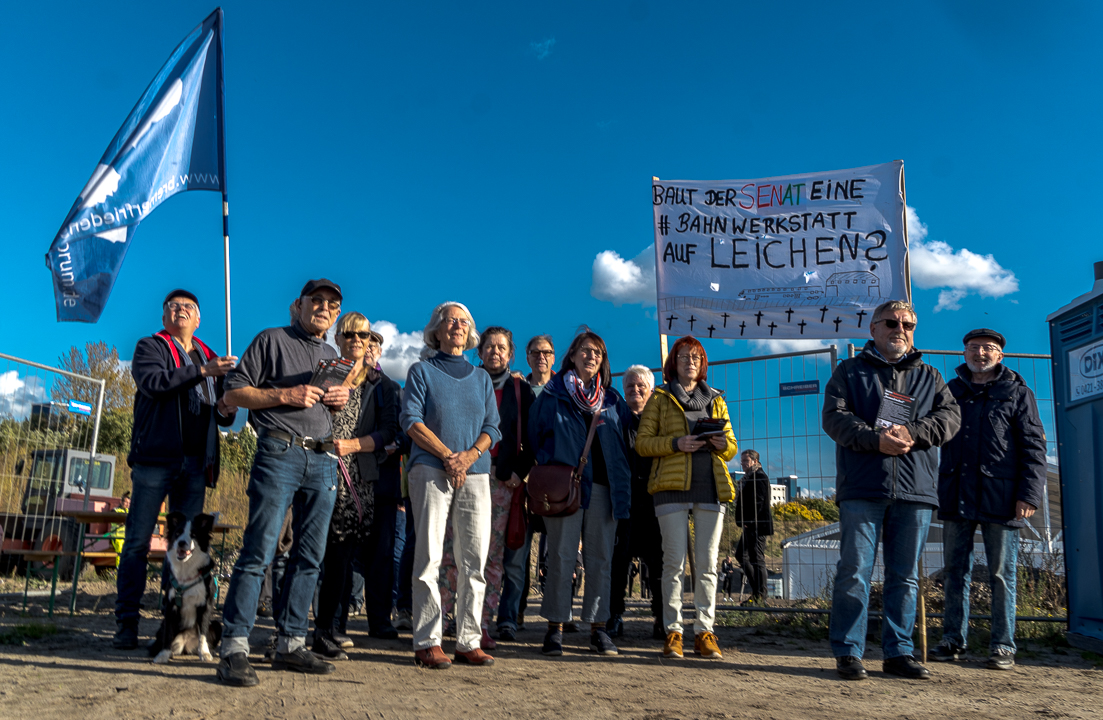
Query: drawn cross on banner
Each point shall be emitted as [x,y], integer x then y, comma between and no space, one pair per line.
[742,326]
[838,321]
[772,326]
[691,321]
[711,329]
[725,316]
[758,318]
[861,314]
[670,321]
[801,325]
[823,313]
[789,315]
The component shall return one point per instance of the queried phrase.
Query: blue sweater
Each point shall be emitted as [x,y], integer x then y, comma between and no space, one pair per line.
[456,410]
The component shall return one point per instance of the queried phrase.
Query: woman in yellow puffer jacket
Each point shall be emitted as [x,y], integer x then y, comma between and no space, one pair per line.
[690,475]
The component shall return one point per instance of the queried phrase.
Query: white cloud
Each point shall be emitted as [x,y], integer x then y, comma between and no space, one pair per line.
[621,281]
[400,349]
[772,346]
[935,264]
[17,394]
[542,48]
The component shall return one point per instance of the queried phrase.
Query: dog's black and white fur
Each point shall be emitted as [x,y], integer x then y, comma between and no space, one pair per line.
[188,599]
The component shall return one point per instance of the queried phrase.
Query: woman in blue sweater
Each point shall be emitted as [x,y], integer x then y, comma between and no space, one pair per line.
[558,424]
[449,412]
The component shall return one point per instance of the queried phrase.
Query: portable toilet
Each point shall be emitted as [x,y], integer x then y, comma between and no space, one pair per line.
[1076,343]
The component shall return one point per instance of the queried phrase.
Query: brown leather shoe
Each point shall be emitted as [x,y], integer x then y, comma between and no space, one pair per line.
[473,657]
[432,658]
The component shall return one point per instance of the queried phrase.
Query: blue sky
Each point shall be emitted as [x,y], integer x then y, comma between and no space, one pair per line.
[493,152]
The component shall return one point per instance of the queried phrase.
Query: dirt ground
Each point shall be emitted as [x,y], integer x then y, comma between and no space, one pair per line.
[75,673]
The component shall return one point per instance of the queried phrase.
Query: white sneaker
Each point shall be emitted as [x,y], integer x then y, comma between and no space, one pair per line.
[403,620]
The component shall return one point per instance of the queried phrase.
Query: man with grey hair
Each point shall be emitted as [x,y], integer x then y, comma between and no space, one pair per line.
[294,467]
[887,412]
[992,475]
[639,535]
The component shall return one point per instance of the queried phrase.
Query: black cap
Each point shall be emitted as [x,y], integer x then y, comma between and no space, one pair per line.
[180,293]
[984,332]
[313,285]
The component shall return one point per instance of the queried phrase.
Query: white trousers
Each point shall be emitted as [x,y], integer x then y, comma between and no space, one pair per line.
[708,526]
[431,499]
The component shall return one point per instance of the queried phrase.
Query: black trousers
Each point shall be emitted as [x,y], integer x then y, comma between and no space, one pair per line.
[750,553]
[377,559]
[336,583]
[637,537]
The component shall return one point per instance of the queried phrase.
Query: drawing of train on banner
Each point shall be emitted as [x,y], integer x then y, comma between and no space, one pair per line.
[839,288]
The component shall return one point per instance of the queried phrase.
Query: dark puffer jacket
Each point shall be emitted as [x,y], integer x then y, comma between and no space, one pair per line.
[851,401]
[999,457]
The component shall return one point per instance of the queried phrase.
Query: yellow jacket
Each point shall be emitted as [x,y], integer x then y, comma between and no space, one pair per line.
[664,420]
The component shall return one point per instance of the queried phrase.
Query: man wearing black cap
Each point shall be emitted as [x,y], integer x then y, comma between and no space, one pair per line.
[174,443]
[294,467]
[992,474]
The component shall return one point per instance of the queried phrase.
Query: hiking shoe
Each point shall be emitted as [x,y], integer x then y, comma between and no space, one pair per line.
[126,636]
[1000,659]
[404,620]
[615,626]
[304,661]
[386,632]
[507,634]
[850,668]
[601,643]
[473,657]
[672,648]
[945,652]
[432,658]
[705,645]
[570,627]
[264,609]
[236,671]
[486,642]
[906,666]
[325,646]
[553,643]
[342,640]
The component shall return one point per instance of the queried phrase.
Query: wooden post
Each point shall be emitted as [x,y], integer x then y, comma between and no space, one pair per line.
[922,619]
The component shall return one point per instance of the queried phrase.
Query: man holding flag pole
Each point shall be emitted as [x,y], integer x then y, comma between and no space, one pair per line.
[172,141]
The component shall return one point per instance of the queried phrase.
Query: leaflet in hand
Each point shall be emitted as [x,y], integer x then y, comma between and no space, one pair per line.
[331,373]
[709,427]
[896,409]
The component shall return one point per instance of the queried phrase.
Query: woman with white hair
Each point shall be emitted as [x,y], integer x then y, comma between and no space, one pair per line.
[450,414]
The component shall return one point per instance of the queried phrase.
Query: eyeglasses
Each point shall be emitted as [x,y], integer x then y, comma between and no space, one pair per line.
[320,300]
[989,348]
[692,358]
[590,351]
[543,353]
[462,322]
[363,335]
[893,324]
[174,306]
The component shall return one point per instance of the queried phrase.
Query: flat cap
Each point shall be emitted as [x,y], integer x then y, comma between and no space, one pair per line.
[178,292]
[313,285]
[984,332]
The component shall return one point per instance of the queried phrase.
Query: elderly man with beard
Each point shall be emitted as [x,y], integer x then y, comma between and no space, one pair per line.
[992,475]
[887,412]
[294,467]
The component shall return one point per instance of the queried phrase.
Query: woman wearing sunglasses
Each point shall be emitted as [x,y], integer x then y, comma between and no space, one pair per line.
[690,476]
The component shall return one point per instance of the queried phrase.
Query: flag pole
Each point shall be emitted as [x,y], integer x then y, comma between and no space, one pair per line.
[220,95]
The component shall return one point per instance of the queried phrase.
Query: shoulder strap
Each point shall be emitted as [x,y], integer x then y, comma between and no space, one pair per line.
[517,392]
[172,346]
[589,439]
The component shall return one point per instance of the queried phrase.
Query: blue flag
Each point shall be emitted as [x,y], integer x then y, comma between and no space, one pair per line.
[171,142]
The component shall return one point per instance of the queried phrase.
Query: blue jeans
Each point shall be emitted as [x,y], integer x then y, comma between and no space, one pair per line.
[1001,546]
[405,598]
[903,528]
[514,564]
[185,485]
[283,476]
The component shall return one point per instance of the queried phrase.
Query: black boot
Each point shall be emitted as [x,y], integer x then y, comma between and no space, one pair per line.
[126,635]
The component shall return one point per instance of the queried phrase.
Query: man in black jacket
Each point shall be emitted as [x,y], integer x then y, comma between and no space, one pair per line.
[174,443]
[752,513]
[887,412]
[992,475]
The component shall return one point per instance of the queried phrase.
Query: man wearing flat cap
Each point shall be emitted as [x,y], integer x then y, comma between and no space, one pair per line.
[294,466]
[992,476]
[174,442]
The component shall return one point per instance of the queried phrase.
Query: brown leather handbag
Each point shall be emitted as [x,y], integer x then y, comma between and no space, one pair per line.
[556,490]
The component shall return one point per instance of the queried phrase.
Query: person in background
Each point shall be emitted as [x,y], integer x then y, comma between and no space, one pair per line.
[558,427]
[690,476]
[639,535]
[449,412]
[992,475]
[886,483]
[118,530]
[752,513]
[727,575]
[540,352]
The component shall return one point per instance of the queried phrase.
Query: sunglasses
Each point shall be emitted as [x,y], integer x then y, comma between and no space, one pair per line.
[362,335]
[893,324]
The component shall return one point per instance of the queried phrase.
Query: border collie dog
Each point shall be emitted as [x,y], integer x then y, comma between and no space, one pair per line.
[188,599]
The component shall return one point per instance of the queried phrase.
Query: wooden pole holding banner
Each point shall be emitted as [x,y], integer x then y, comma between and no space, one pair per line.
[922,619]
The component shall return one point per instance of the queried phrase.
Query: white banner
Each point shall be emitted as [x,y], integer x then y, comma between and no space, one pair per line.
[801,256]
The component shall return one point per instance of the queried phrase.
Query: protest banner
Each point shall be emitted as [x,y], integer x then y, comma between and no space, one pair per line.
[801,256]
